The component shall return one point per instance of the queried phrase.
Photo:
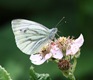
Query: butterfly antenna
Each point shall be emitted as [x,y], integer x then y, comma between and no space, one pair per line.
[59,22]
[57,35]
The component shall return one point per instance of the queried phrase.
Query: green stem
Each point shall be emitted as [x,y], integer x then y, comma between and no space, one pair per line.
[73,78]
[73,69]
[74,64]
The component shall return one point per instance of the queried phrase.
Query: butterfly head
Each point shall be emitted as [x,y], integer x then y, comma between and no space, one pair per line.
[53,31]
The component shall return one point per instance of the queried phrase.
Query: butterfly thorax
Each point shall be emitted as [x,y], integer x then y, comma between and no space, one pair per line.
[53,31]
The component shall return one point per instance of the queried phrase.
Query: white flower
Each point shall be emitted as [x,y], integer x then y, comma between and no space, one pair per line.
[75,46]
[55,49]
[55,52]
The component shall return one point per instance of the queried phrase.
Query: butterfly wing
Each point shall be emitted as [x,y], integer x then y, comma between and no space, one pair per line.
[29,35]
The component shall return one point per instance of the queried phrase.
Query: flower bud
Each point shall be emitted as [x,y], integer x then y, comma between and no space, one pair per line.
[64,64]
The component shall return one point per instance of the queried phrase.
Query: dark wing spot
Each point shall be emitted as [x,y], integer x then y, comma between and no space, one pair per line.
[23,30]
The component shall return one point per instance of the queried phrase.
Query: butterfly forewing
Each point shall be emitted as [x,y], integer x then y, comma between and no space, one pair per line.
[30,36]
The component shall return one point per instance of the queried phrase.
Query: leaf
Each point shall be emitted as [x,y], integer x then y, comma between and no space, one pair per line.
[4,75]
[37,76]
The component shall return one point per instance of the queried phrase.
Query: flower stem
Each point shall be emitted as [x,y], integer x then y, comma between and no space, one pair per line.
[73,78]
[74,64]
[73,69]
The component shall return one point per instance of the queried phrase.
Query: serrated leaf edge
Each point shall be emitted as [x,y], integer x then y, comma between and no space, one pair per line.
[5,72]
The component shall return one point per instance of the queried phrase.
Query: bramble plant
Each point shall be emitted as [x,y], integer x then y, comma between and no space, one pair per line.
[64,51]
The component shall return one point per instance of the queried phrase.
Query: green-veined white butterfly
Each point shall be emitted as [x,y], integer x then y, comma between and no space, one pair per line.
[31,36]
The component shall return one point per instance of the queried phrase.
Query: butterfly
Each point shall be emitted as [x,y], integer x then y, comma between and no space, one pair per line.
[31,36]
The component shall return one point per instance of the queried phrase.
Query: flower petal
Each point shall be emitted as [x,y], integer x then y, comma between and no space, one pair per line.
[47,56]
[79,41]
[75,46]
[37,59]
[56,52]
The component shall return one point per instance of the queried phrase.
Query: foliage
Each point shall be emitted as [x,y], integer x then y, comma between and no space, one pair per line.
[4,75]
[37,76]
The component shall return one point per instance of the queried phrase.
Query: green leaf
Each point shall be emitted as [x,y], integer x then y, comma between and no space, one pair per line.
[4,75]
[37,76]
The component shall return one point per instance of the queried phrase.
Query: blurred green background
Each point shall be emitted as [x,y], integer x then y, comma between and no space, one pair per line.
[79,19]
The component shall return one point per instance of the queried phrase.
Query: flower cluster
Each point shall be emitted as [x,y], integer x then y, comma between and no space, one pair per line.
[58,49]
